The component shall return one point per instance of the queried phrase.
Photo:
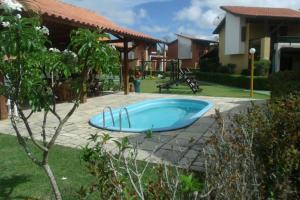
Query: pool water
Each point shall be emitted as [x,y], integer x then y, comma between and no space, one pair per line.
[156,115]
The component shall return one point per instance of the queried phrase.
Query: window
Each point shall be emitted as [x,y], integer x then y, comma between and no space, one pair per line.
[243,33]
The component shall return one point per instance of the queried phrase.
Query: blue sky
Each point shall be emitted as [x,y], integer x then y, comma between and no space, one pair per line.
[163,18]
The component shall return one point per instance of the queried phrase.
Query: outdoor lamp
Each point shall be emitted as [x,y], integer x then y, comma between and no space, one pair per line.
[252,52]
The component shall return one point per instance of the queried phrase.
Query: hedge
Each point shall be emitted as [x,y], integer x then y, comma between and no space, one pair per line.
[260,82]
[284,83]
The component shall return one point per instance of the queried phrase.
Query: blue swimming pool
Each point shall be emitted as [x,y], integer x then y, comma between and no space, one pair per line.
[157,115]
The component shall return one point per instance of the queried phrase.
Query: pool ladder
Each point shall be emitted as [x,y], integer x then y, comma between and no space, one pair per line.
[120,117]
[111,114]
[112,117]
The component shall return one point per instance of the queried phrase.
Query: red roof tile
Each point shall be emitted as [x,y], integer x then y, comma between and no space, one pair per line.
[262,11]
[70,13]
[284,13]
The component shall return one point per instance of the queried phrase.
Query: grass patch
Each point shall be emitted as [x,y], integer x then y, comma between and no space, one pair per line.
[209,89]
[21,179]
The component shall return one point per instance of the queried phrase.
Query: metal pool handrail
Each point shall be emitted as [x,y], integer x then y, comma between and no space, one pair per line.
[120,117]
[111,114]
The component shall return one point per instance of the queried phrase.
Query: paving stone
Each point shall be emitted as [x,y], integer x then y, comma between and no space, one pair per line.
[170,146]
[136,140]
[168,155]
[143,155]
[149,146]
[160,138]
[181,142]
[198,146]
[201,128]
[192,154]
[197,168]
[185,162]
[174,147]
[191,136]
[199,163]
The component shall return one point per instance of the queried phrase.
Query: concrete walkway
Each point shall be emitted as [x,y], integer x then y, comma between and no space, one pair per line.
[181,147]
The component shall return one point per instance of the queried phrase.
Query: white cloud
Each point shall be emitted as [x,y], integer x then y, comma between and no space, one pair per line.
[197,18]
[154,29]
[119,11]
[201,15]
[187,30]
[142,13]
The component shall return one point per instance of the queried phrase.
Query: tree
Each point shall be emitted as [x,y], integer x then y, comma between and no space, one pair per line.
[28,66]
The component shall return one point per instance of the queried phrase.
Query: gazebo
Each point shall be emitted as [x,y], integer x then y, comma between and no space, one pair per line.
[61,18]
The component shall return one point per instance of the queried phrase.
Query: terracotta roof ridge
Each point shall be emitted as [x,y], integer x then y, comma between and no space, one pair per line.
[78,7]
[59,9]
[262,11]
[258,7]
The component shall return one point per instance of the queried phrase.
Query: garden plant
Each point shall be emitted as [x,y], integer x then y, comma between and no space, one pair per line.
[29,67]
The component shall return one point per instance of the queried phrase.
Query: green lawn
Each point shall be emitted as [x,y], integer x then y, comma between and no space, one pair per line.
[209,89]
[21,179]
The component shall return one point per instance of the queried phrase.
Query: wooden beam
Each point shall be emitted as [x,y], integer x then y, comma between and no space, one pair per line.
[113,41]
[126,68]
[120,37]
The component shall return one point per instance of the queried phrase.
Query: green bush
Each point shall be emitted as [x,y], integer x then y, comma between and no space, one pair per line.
[213,65]
[262,67]
[210,64]
[276,146]
[260,83]
[120,175]
[283,83]
[256,155]
[246,72]
[227,69]
[231,68]
[230,170]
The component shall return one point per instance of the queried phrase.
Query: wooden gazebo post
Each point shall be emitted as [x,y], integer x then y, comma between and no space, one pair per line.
[126,68]
[3,106]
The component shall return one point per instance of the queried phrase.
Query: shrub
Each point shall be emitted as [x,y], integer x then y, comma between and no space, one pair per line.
[246,72]
[260,83]
[283,83]
[262,67]
[223,69]
[256,155]
[231,68]
[276,147]
[119,175]
[227,69]
[209,64]
[229,166]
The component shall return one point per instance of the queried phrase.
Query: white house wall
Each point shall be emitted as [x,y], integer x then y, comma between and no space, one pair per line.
[233,29]
[184,48]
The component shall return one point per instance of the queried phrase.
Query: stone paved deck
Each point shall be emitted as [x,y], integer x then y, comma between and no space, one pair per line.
[181,147]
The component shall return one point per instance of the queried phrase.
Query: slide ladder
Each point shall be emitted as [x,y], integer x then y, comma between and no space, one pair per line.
[192,83]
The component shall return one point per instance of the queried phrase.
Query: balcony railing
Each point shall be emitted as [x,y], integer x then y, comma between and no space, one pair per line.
[288,39]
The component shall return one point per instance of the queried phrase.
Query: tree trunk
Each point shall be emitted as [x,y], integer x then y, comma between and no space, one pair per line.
[3,106]
[83,95]
[52,181]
